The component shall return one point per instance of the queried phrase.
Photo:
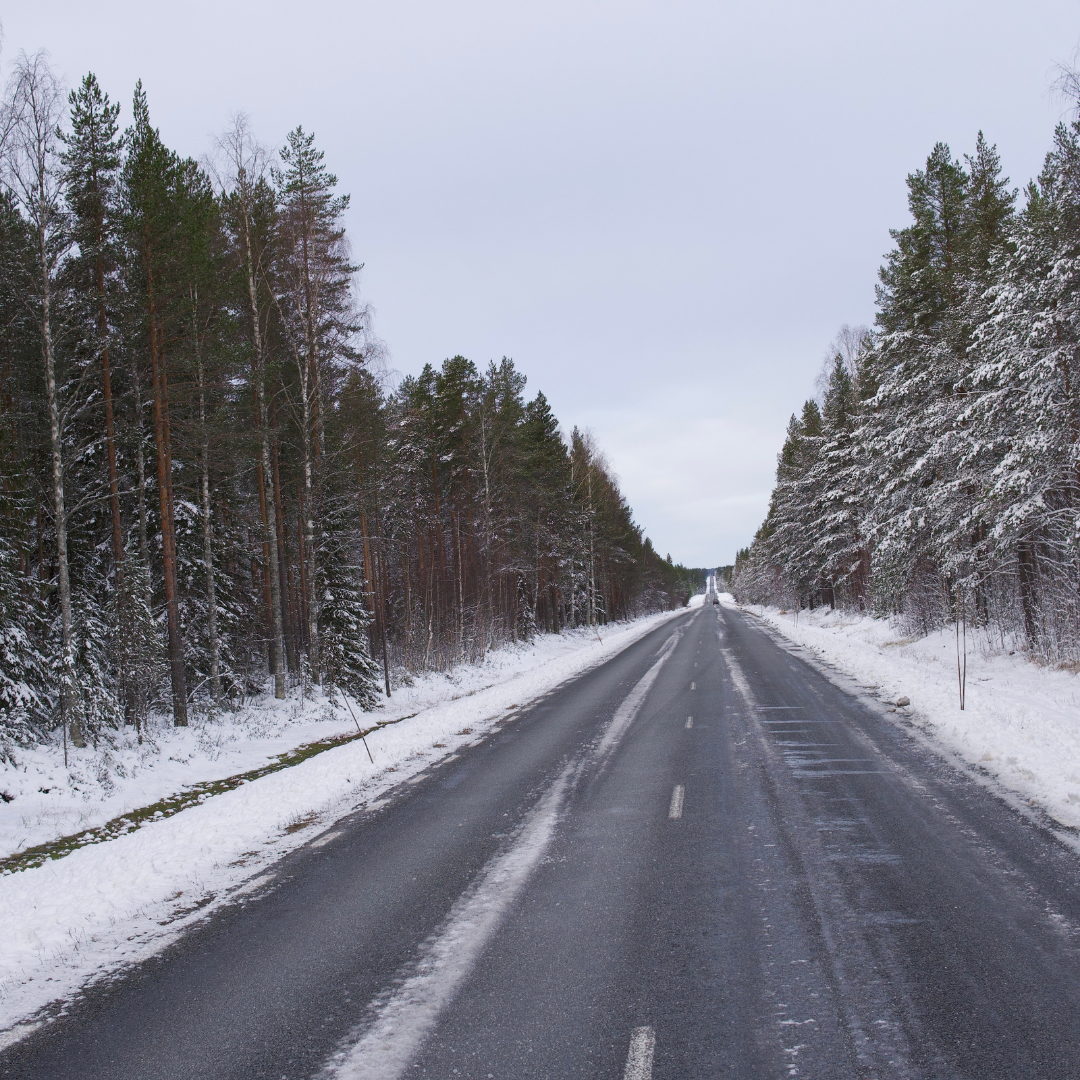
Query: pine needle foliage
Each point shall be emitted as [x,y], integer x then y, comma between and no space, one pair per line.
[249,505]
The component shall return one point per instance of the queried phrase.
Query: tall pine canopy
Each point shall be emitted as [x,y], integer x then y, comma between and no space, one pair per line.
[945,483]
[209,489]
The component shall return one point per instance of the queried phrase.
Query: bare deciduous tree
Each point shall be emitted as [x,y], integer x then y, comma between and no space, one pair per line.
[849,344]
[33,111]
[245,165]
[1066,83]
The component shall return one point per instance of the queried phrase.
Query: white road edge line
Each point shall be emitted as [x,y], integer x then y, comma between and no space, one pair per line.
[406,1015]
[403,1018]
[850,685]
[675,809]
[625,713]
[639,1060]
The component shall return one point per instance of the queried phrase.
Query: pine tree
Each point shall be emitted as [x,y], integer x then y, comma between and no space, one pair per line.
[150,180]
[918,359]
[545,482]
[314,296]
[838,550]
[91,162]
[793,517]
[303,507]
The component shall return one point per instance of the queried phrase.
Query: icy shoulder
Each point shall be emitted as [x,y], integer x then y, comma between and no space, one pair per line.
[1020,722]
[113,903]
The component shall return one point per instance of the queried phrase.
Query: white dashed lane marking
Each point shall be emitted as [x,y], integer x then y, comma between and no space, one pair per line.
[639,1060]
[689,722]
[675,809]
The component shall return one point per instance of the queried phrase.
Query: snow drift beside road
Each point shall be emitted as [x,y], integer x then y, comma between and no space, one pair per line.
[117,902]
[1021,722]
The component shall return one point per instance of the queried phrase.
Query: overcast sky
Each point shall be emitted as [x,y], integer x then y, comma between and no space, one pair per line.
[663,212]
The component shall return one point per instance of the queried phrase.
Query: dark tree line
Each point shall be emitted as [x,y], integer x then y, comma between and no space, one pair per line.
[937,473]
[207,490]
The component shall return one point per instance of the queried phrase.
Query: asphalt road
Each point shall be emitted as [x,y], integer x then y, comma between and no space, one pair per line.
[702,859]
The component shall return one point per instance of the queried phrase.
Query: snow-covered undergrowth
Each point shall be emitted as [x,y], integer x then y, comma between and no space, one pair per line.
[113,903]
[1020,722]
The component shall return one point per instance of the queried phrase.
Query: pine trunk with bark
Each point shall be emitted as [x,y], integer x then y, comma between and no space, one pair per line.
[168,526]
[208,529]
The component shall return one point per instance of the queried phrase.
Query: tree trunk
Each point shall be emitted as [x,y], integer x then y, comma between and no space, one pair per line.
[110,425]
[271,583]
[369,576]
[592,575]
[380,585]
[1028,574]
[208,548]
[302,560]
[140,462]
[308,525]
[131,715]
[168,528]
[406,577]
[70,714]
[283,573]
[309,326]
[489,540]
[573,595]
[271,537]
[456,539]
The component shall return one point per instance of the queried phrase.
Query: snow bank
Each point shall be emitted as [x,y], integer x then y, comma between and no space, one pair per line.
[1020,723]
[113,903]
[42,799]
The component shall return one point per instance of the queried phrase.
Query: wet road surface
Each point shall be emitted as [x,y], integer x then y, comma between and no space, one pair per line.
[702,859]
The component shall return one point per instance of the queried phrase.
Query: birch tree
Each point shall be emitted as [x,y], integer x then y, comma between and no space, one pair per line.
[242,179]
[32,174]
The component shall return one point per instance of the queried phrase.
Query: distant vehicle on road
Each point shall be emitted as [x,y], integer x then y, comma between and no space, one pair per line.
[711,595]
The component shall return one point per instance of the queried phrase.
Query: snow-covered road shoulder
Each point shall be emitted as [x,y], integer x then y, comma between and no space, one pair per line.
[1020,724]
[110,904]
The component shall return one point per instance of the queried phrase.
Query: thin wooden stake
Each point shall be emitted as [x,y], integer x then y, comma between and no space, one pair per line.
[961,672]
[363,739]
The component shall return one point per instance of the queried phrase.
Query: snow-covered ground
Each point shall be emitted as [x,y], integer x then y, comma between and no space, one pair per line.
[1020,723]
[112,903]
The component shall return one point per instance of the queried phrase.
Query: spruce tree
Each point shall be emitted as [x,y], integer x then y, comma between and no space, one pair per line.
[91,162]
[1025,416]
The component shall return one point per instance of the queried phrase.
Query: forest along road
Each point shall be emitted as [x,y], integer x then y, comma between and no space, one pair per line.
[702,859]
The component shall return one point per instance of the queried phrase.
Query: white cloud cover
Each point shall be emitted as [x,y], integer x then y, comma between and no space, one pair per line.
[656,209]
